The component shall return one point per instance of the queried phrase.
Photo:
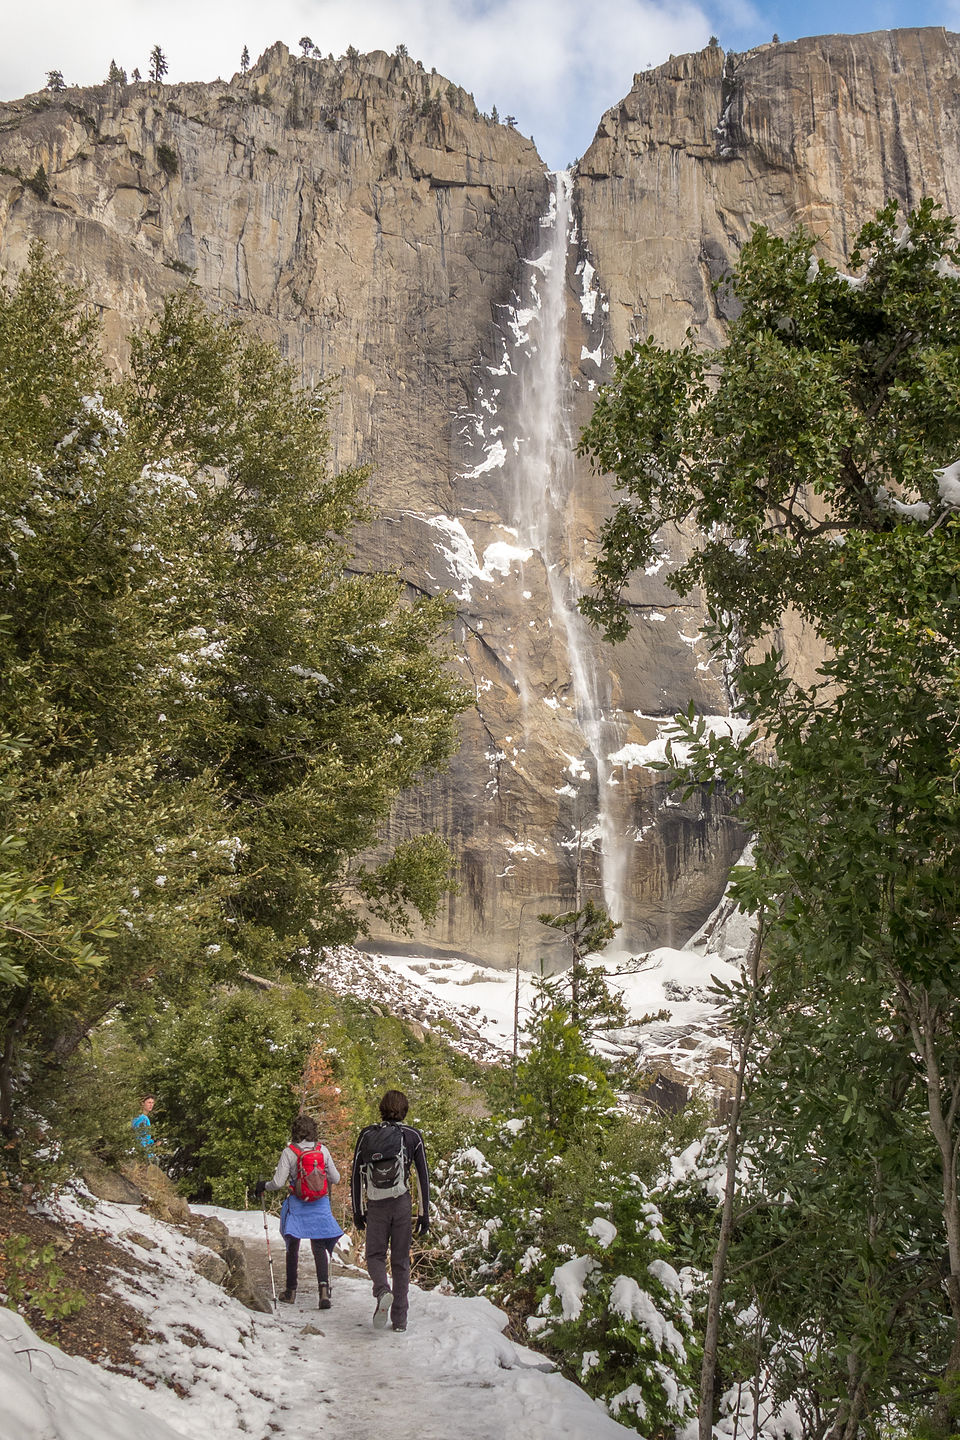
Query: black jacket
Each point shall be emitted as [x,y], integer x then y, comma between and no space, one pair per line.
[415,1153]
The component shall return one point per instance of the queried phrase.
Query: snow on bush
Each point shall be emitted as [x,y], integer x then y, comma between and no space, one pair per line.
[621,1304]
[593,1276]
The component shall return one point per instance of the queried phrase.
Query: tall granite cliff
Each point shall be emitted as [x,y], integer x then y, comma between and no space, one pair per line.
[364,216]
[820,132]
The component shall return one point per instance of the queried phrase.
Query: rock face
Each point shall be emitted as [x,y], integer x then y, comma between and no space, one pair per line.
[820,132]
[363,216]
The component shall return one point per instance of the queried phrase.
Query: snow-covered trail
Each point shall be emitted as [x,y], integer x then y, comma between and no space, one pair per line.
[452,1373]
[218,1369]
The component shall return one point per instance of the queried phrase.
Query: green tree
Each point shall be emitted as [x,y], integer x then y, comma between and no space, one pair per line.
[550,1214]
[589,930]
[55,81]
[866,860]
[227,1074]
[158,64]
[816,457]
[853,1258]
[244,60]
[168,159]
[39,183]
[116,75]
[217,715]
[45,939]
[626,1332]
[831,410]
[561,1086]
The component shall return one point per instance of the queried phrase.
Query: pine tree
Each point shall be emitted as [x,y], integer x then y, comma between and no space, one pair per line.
[216,715]
[55,80]
[39,183]
[158,64]
[244,60]
[116,75]
[561,1085]
[225,1071]
[306,45]
[589,930]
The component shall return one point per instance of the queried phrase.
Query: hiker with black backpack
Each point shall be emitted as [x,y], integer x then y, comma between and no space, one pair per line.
[306,1171]
[380,1195]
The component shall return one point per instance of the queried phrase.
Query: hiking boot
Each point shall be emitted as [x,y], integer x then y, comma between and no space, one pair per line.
[288,1297]
[324,1296]
[384,1301]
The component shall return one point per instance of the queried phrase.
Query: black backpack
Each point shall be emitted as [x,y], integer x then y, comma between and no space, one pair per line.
[384,1162]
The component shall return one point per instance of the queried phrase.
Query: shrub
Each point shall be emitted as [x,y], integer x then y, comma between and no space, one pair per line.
[167,159]
[225,1076]
[35,1281]
[231,1071]
[618,1314]
[39,183]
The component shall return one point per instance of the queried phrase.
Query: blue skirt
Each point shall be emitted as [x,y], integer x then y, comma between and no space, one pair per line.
[308,1219]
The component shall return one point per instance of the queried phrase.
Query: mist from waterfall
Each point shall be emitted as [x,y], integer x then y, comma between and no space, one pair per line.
[543,476]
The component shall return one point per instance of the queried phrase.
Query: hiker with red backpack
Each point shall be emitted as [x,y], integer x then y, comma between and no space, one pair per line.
[306,1171]
[380,1195]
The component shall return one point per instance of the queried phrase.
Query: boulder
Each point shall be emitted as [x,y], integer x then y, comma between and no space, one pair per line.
[211,1266]
[109,1184]
[237,1281]
[210,1226]
[135,1237]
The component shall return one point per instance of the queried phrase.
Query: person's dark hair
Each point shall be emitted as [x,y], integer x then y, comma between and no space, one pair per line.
[394,1106]
[303,1128]
[145,1098]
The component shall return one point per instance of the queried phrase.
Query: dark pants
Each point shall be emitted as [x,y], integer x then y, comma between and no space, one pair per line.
[322,1250]
[390,1224]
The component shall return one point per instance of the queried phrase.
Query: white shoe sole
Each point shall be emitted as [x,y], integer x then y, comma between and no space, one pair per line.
[382,1311]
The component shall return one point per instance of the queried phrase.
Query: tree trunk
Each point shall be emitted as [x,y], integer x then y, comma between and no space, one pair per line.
[575,938]
[923,1020]
[847,1424]
[708,1370]
[68,1041]
[12,1029]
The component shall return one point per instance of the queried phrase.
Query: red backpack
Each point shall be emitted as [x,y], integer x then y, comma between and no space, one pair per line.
[310,1182]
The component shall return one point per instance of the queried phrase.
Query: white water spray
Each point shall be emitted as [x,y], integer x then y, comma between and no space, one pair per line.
[543,480]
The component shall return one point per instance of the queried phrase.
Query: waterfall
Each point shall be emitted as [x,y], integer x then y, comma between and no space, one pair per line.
[541,473]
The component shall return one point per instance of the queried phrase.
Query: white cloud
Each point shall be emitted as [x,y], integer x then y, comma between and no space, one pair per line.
[554,64]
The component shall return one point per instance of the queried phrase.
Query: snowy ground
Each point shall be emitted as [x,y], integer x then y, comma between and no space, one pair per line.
[289,1374]
[479,1001]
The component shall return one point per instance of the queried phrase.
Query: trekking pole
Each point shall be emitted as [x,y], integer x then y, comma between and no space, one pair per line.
[273,1283]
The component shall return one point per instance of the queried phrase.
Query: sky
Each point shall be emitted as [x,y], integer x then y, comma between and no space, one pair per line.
[556,65]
